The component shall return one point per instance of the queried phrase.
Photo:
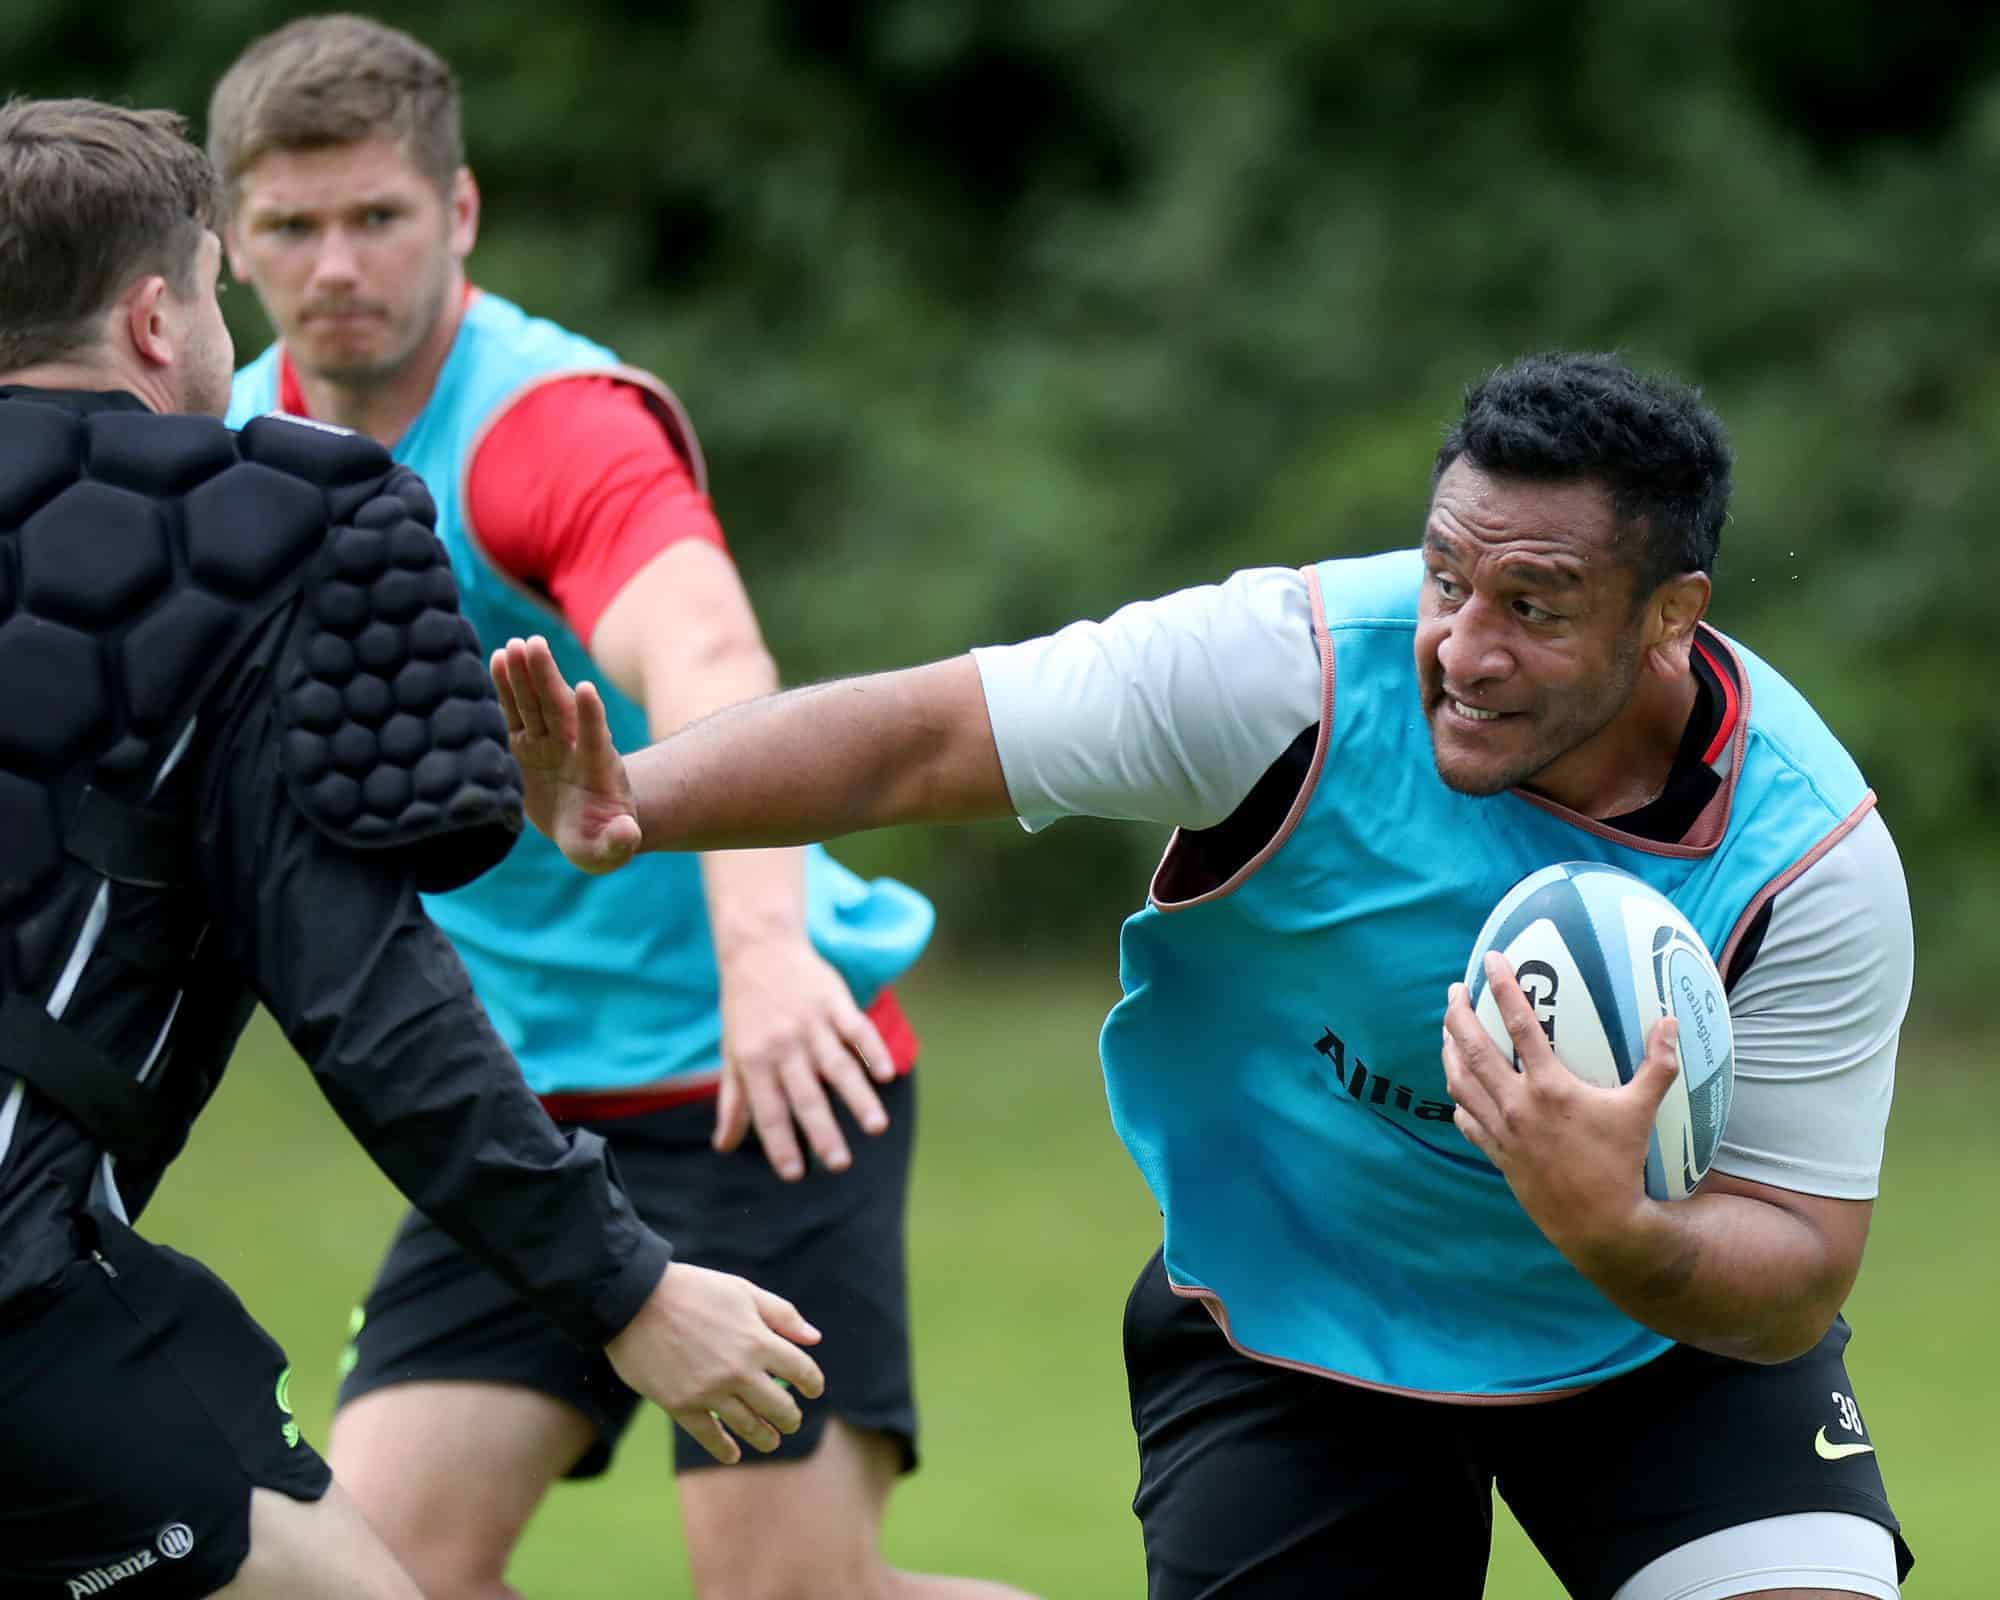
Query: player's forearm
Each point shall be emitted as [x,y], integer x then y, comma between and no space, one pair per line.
[815,763]
[752,895]
[1725,1272]
[405,1055]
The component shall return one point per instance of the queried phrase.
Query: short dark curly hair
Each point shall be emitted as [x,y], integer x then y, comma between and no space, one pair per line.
[1651,441]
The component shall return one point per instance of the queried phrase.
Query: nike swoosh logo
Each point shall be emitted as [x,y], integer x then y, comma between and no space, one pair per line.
[1838,1452]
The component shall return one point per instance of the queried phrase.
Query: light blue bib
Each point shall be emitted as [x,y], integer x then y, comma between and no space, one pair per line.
[1273,1067]
[594,983]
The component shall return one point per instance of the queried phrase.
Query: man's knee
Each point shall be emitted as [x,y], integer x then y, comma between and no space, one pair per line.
[453,1570]
[761,1540]
[449,1558]
[784,1529]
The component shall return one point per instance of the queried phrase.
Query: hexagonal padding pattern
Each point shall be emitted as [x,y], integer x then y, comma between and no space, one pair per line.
[57,701]
[94,555]
[249,526]
[44,451]
[414,546]
[439,635]
[34,852]
[385,791]
[313,451]
[369,701]
[164,656]
[382,648]
[341,607]
[395,734]
[421,687]
[398,595]
[158,455]
[360,555]
[406,739]
[330,659]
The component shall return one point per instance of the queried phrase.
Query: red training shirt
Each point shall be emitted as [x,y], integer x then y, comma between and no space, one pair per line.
[575,487]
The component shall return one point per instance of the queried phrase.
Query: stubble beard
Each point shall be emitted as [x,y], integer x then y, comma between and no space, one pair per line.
[370,374]
[385,368]
[1576,726]
[205,385]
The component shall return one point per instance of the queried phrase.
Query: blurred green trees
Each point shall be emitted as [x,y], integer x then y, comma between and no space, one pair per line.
[992,316]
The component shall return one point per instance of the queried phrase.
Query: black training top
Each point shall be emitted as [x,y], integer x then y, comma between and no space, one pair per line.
[332,938]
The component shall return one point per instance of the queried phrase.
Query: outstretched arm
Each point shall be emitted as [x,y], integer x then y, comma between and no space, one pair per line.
[834,758]
[812,763]
[1169,711]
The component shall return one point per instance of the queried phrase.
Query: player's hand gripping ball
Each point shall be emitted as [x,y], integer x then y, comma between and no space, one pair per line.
[1602,956]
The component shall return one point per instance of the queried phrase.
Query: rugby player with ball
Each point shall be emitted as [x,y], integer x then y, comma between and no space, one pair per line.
[1402,1264]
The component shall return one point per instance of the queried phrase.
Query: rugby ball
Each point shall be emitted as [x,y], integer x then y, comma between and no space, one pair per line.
[1602,956]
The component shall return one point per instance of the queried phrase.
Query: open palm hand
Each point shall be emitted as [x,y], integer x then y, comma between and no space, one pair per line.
[573,780]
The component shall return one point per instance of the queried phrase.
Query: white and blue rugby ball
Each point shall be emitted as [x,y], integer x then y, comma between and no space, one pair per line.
[1602,956]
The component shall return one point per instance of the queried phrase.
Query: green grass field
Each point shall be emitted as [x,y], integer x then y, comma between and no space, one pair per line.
[1027,1226]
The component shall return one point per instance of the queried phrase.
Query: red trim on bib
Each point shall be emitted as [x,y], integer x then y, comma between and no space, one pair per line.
[1732,705]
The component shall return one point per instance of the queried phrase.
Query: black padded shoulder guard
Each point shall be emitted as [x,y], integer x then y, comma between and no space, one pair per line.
[144,560]
[137,554]
[393,735]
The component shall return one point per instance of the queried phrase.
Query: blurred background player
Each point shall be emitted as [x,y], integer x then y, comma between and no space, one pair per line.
[170,854]
[672,1011]
[1372,1307]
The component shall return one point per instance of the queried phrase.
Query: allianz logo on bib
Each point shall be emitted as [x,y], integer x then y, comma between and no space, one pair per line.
[176,1540]
[1372,1089]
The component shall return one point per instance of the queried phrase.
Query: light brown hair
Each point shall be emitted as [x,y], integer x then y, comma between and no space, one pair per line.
[92,196]
[334,80]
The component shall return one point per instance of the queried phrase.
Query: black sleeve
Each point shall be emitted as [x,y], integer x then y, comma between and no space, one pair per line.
[339,949]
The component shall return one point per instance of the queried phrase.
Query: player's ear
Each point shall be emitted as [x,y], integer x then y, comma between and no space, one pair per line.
[145,317]
[1671,614]
[464,203]
[232,250]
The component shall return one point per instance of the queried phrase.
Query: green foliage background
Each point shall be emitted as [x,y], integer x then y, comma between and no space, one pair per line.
[996,315]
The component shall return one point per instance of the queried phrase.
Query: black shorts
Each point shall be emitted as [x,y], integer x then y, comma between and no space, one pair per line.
[1259,1481]
[832,1244]
[141,1406]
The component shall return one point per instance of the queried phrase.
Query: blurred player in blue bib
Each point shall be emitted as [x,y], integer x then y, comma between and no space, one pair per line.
[670,1011]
